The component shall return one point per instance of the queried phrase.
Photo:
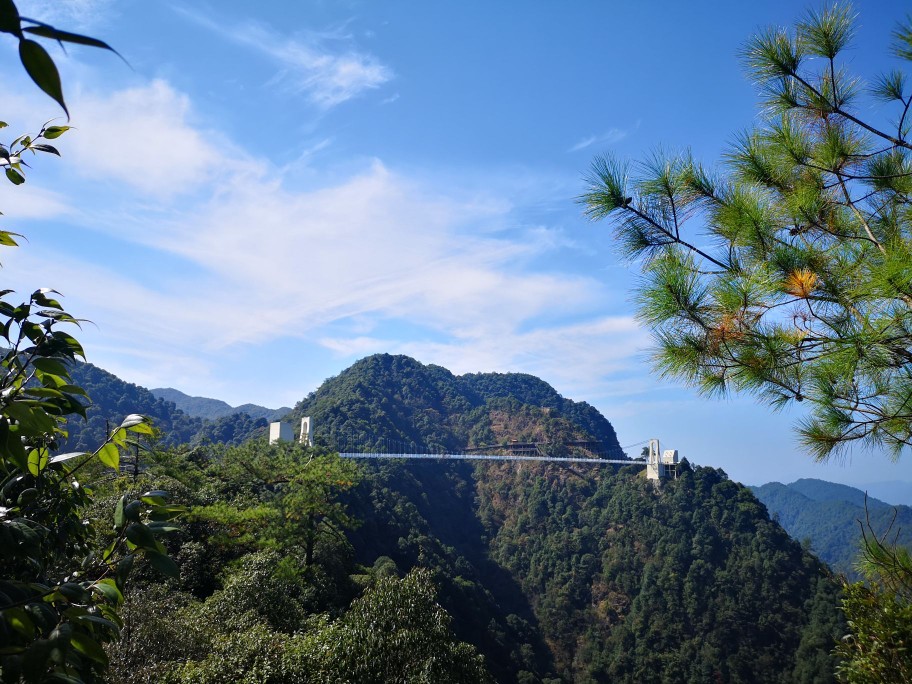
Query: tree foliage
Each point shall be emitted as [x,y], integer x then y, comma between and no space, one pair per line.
[389,403]
[693,583]
[60,590]
[286,495]
[35,59]
[787,273]
[879,613]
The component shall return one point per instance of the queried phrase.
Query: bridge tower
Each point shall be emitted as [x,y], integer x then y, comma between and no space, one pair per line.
[307,432]
[661,464]
[280,432]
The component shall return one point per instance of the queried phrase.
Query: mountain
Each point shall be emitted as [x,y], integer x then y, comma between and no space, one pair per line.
[395,402]
[594,574]
[581,574]
[112,399]
[555,574]
[203,407]
[828,515]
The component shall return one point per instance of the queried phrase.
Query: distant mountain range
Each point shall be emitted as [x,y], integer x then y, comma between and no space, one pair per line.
[112,399]
[204,407]
[827,515]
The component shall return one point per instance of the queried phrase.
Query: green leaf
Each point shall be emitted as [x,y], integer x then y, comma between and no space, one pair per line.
[119,437]
[50,366]
[9,22]
[20,621]
[109,454]
[124,565]
[119,518]
[50,149]
[46,31]
[14,176]
[73,592]
[97,620]
[67,456]
[108,589]
[160,527]
[42,70]
[6,238]
[33,421]
[169,512]
[142,429]
[131,420]
[156,497]
[90,648]
[132,510]
[52,132]
[27,496]
[141,535]
[37,461]
[164,564]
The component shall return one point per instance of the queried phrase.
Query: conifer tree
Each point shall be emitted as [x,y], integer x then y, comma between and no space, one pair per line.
[787,273]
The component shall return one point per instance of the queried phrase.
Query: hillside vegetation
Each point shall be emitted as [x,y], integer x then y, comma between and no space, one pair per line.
[294,565]
[385,399]
[544,573]
[829,517]
[111,399]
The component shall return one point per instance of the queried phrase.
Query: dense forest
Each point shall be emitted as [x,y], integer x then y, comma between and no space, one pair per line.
[396,399]
[294,565]
[552,575]
[828,517]
[291,564]
[110,399]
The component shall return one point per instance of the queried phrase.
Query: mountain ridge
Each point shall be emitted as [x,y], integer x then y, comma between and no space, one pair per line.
[428,407]
[829,516]
[206,407]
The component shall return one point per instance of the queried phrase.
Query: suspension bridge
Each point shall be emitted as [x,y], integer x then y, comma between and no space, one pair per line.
[589,452]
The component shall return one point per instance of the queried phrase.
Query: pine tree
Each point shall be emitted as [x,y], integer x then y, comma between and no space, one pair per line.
[787,273]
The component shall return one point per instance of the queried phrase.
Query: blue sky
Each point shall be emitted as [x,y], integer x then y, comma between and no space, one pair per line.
[273,190]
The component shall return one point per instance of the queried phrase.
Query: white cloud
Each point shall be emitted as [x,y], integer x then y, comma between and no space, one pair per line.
[66,15]
[347,265]
[609,137]
[145,137]
[324,66]
[32,202]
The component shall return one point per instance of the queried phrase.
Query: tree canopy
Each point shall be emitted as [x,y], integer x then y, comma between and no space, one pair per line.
[787,272]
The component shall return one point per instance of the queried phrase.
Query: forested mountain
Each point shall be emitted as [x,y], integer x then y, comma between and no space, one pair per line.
[111,399]
[552,574]
[204,407]
[828,514]
[399,400]
[622,582]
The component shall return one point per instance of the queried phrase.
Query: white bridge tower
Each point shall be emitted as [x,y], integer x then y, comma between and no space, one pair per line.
[661,465]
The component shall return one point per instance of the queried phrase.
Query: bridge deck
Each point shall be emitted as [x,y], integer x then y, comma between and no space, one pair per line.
[490,457]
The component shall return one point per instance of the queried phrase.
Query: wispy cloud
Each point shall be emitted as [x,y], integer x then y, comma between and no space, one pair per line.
[326,67]
[609,137]
[580,359]
[65,14]
[254,253]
